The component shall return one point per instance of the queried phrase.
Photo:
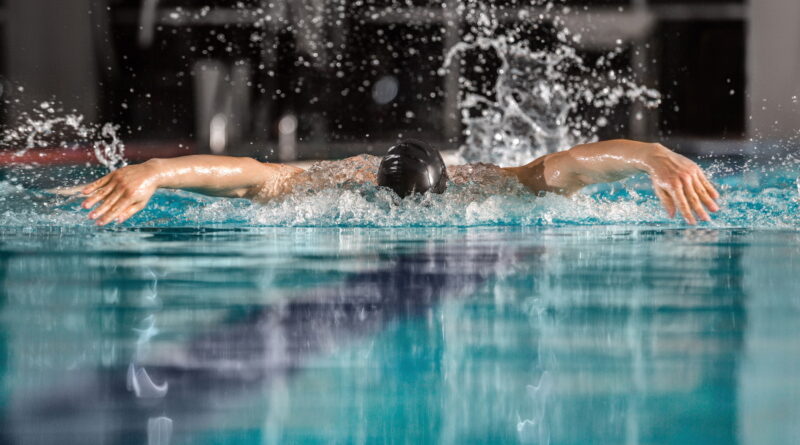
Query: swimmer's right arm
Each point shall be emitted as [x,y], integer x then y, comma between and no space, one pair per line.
[124,192]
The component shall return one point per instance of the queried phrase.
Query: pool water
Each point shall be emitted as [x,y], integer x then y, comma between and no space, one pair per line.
[197,324]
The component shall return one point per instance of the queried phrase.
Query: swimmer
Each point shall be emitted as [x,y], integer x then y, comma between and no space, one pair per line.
[409,167]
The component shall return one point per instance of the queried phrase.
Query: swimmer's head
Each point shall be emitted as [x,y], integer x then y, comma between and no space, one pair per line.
[413,167]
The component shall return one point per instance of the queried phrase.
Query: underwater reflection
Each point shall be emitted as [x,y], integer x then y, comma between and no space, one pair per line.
[638,339]
[182,387]
[602,335]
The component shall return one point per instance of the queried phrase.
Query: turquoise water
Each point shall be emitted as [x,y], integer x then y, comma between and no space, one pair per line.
[561,321]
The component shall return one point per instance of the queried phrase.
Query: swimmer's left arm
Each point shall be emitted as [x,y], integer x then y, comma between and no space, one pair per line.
[678,182]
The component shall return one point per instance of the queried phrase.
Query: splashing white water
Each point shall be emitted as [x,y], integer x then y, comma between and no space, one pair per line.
[543,100]
[108,148]
[47,127]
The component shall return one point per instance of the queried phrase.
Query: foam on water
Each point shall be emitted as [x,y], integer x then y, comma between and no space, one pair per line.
[758,198]
[774,206]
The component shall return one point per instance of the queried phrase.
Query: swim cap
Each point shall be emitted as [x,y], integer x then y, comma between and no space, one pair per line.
[413,167]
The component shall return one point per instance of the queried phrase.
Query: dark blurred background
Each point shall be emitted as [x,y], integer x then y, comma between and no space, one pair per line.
[305,79]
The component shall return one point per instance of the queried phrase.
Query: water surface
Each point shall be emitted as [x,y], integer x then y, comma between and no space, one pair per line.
[565,334]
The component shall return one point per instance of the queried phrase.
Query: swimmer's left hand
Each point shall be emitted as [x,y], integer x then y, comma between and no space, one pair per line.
[122,193]
[681,185]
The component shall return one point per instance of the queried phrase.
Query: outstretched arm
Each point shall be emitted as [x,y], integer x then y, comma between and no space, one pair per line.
[126,191]
[678,182]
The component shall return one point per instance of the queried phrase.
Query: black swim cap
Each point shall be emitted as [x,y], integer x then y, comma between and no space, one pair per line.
[413,167]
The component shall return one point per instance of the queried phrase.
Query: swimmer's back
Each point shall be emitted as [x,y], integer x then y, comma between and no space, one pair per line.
[363,169]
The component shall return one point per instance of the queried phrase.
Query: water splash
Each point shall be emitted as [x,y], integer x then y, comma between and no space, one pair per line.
[48,126]
[543,99]
[108,147]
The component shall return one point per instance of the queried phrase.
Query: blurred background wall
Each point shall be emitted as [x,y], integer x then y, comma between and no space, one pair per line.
[48,52]
[773,68]
[287,79]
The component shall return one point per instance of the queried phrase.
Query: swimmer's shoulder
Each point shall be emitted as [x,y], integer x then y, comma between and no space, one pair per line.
[325,174]
[476,172]
[364,159]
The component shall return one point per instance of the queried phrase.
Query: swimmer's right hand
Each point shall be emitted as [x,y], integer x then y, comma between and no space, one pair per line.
[122,193]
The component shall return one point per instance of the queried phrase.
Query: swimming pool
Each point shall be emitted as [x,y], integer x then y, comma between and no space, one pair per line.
[592,320]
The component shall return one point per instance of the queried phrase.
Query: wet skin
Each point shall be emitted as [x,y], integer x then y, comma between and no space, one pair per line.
[680,184]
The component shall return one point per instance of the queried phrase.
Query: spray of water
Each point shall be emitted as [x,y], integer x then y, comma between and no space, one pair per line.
[47,126]
[543,99]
